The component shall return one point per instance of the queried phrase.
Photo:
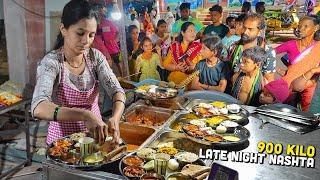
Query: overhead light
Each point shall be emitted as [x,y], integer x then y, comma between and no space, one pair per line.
[115,13]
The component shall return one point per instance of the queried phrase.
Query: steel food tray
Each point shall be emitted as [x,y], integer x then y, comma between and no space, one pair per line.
[157,117]
[173,104]
[239,131]
[82,165]
[158,93]
[122,166]
[243,112]
[183,117]
[136,136]
[180,141]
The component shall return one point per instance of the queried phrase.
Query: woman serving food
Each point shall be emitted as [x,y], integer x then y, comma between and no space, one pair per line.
[67,88]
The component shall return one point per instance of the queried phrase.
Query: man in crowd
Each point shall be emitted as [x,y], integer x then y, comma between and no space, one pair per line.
[134,21]
[253,27]
[185,17]
[216,27]
[246,8]
[169,18]
[110,34]
[260,8]
[231,36]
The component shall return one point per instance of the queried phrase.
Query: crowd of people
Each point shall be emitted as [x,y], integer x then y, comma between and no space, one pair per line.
[232,57]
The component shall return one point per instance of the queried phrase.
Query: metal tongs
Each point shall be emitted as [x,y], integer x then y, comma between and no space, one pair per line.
[292,117]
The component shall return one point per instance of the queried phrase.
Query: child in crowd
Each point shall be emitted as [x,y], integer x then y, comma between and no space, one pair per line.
[276,91]
[133,47]
[148,61]
[213,71]
[231,36]
[162,39]
[248,83]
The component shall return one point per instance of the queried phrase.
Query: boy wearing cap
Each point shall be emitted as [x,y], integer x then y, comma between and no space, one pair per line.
[216,28]
[276,91]
[185,17]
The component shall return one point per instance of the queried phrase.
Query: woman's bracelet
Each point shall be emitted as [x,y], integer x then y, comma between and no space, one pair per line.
[118,100]
[55,113]
[304,77]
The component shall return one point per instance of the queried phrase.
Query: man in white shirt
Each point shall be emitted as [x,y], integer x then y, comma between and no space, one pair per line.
[134,21]
[169,18]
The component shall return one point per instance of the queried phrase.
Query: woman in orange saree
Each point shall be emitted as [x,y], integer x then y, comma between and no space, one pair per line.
[307,60]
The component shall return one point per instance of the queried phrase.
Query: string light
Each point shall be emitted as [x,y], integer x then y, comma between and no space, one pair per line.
[116,13]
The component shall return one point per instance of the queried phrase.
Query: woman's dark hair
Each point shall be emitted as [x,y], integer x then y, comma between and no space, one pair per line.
[214,44]
[316,21]
[129,40]
[131,28]
[73,12]
[184,28]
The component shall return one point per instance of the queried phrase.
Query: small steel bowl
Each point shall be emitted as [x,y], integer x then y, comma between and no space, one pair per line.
[133,177]
[181,162]
[71,158]
[96,155]
[125,163]
[230,128]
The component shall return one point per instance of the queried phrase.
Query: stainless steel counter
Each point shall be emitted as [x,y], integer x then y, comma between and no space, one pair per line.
[52,171]
[274,134]
[247,171]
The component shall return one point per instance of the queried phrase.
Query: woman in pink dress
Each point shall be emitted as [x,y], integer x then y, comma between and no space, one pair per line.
[98,41]
[67,88]
[306,33]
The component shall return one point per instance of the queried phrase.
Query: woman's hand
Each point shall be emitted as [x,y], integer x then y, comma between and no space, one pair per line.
[159,42]
[158,49]
[183,67]
[113,125]
[95,125]
[191,67]
[166,37]
[135,48]
[315,70]
[204,86]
